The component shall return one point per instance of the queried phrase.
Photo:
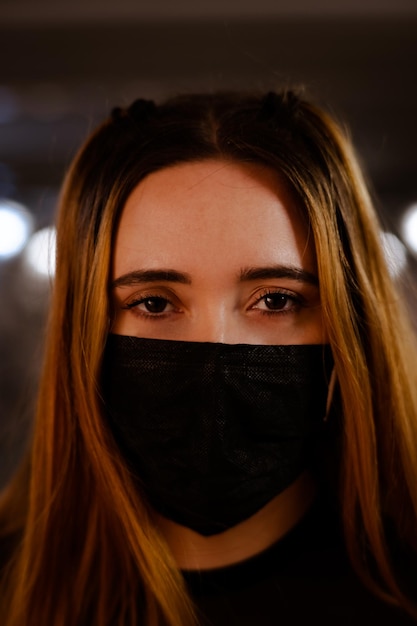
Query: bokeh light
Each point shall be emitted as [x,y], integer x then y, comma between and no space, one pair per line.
[409,227]
[39,254]
[15,228]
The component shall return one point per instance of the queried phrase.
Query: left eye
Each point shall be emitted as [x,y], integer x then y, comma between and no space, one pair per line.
[276,301]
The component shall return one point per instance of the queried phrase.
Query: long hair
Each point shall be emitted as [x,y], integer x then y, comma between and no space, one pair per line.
[84,546]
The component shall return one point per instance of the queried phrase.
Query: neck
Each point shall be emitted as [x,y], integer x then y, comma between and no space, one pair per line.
[192,551]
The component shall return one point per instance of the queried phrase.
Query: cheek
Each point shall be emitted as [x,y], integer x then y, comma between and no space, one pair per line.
[315,329]
[306,328]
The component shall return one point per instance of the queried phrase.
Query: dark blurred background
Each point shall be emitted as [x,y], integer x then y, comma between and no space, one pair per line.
[64,65]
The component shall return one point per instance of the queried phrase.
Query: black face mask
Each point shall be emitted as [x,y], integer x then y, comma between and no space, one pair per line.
[214,431]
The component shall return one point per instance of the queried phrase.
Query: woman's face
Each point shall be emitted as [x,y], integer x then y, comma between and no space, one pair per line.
[215,251]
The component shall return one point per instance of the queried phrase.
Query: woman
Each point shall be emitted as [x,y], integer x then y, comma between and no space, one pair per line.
[229,377]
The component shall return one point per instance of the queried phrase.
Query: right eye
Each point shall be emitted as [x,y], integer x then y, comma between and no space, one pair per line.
[150,306]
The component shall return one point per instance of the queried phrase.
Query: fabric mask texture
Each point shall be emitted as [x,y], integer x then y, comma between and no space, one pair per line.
[214,431]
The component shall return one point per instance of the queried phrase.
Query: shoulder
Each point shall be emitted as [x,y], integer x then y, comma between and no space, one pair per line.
[306,576]
[9,545]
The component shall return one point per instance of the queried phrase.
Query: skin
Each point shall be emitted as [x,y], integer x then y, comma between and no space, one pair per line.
[218,251]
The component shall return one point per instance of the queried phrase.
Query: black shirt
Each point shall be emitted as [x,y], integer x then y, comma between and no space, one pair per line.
[305,578]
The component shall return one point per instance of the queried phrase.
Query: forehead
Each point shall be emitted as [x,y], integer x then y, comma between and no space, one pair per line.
[215,211]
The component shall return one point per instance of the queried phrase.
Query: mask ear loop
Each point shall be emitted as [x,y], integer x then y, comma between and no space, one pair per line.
[330,392]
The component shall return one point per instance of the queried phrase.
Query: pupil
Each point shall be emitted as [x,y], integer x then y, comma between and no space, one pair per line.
[155,305]
[276,301]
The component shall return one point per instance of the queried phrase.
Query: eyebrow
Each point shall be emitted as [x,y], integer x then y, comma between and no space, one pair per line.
[247,274]
[150,276]
[278,271]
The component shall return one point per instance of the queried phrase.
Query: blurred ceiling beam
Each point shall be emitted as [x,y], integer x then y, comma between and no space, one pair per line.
[48,11]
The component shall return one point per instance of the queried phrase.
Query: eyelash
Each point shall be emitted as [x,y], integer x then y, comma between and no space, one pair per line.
[296,300]
[134,306]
